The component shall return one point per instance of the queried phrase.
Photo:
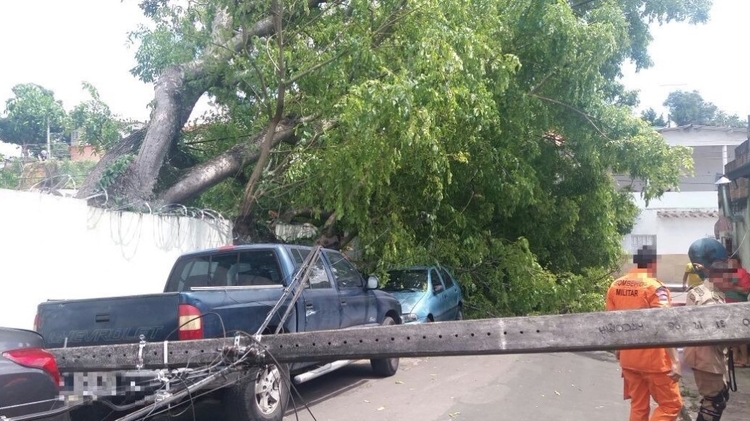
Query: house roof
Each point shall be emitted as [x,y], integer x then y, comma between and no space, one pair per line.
[688,213]
[689,127]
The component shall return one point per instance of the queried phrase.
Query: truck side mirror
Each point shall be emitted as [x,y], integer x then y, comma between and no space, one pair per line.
[372,282]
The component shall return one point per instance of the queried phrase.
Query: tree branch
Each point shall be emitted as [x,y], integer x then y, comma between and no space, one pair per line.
[265,147]
[572,108]
[224,165]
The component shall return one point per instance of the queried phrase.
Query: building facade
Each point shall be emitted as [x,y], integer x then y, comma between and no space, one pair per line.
[680,217]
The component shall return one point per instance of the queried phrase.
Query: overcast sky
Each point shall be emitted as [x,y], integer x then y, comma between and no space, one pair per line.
[710,58]
[58,44]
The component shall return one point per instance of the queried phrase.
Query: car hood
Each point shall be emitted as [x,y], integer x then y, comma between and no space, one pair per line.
[409,299]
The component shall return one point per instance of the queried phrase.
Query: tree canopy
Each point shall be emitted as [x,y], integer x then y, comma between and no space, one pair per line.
[482,135]
[29,112]
[690,108]
[94,122]
[652,118]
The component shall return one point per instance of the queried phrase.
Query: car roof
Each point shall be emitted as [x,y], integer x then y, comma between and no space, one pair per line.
[230,248]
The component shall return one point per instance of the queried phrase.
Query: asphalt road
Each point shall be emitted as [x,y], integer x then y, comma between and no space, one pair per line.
[559,387]
[582,386]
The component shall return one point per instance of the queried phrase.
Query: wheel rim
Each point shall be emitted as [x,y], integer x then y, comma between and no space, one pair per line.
[460,315]
[268,389]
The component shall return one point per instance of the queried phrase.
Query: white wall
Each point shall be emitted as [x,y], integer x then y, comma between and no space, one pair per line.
[694,135]
[56,248]
[681,200]
[674,235]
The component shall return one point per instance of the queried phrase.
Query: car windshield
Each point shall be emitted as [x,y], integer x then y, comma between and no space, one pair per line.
[406,280]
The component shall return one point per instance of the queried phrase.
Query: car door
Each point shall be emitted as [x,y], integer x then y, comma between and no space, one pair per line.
[320,298]
[440,305]
[358,305]
[453,293]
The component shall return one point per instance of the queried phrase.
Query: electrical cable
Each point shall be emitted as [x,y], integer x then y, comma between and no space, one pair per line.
[288,379]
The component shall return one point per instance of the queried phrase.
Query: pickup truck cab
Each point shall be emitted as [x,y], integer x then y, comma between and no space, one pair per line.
[219,292]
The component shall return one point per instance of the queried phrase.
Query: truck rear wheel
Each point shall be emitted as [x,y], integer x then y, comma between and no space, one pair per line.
[263,395]
[385,367]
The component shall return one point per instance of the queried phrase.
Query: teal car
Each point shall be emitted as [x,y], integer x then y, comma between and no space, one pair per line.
[426,293]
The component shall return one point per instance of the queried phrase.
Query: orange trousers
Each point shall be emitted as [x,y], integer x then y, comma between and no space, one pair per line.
[641,387]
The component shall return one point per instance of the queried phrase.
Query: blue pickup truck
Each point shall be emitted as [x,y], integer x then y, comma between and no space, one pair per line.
[218,292]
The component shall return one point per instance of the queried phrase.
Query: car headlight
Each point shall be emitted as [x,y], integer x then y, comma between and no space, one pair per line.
[409,317]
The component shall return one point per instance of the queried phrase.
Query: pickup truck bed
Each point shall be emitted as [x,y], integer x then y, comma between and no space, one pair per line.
[116,320]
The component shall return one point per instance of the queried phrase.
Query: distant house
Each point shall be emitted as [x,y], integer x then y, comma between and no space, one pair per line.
[680,217]
[80,151]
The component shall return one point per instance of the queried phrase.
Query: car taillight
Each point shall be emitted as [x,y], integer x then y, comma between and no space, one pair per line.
[35,358]
[190,323]
[37,322]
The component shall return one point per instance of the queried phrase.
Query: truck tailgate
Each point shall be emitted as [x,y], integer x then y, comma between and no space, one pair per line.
[102,321]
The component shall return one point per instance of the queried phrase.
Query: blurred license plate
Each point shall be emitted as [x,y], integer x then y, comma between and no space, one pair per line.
[95,384]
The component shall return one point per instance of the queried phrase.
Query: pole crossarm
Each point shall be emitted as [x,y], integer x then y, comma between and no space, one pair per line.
[680,326]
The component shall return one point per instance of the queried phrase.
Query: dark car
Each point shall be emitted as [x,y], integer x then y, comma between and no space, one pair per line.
[29,380]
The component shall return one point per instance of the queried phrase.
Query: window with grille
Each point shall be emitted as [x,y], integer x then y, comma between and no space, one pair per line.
[638,241]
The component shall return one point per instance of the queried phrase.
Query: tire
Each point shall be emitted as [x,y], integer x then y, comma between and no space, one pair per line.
[460,313]
[263,395]
[385,367]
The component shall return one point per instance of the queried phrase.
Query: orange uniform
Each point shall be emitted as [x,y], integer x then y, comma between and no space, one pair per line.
[646,371]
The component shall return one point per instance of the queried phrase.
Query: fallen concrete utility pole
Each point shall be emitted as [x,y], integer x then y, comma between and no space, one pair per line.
[692,325]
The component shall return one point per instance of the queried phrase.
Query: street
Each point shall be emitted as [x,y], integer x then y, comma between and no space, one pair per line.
[560,387]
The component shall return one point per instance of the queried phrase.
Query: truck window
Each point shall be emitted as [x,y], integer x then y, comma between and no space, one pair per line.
[191,272]
[255,268]
[345,274]
[201,271]
[318,276]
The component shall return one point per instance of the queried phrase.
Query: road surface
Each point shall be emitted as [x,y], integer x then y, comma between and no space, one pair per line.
[582,386]
[561,387]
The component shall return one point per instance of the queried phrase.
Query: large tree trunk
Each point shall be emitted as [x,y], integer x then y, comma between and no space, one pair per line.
[176,92]
[127,145]
[225,165]
[174,104]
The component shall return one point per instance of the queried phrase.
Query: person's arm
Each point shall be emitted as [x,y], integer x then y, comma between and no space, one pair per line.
[684,280]
[676,372]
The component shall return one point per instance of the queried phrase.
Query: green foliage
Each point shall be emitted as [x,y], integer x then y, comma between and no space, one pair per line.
[28,113]
[651,118]
[690,108]
[177,35]
[482,135]
[94,122]
[10,173]
[76,172]
[114,170]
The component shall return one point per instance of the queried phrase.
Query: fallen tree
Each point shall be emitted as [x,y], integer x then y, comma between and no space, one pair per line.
[482,135]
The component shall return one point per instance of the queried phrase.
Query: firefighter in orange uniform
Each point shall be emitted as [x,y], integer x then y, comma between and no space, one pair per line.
[651,372]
